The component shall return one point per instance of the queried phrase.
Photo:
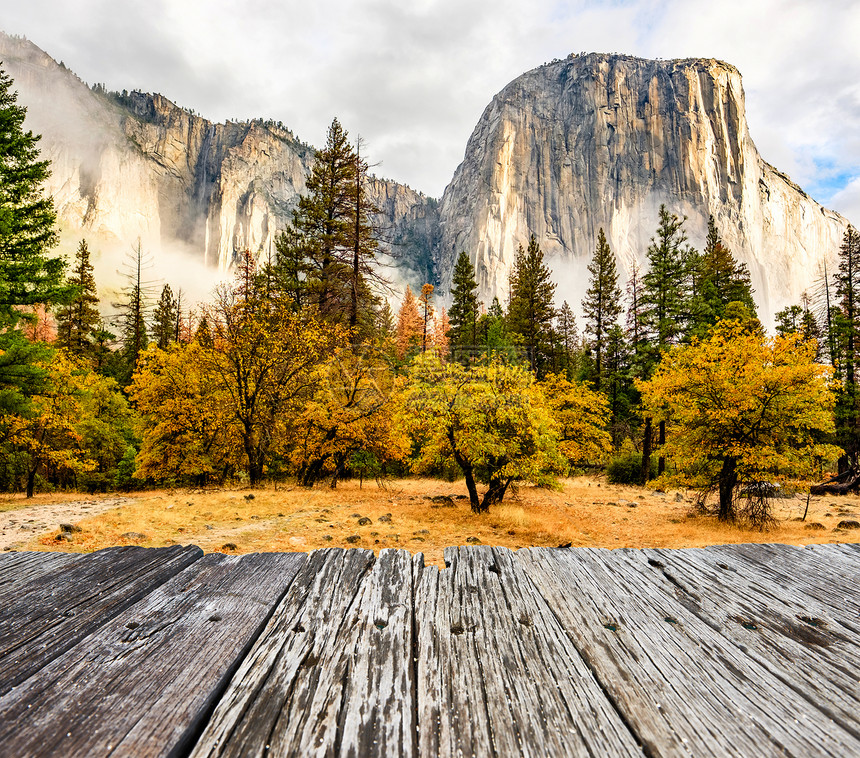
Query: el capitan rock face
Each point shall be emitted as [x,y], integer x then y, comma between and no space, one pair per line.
[601,141]
[590,141]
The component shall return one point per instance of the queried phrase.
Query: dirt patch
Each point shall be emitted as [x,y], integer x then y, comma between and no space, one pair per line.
[19,526]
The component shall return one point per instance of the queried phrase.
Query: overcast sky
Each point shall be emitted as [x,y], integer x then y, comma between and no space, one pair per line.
[413,76]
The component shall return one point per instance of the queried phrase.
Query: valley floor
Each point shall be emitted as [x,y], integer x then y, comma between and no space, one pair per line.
[421,515]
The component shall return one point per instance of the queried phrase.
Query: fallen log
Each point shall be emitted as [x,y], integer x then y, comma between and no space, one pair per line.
[842,484]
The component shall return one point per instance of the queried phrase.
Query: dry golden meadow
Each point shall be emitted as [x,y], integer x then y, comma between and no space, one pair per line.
[585,513]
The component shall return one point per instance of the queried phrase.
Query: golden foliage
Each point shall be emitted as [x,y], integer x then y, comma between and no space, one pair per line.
[490,419]
[582,415]
[741,399]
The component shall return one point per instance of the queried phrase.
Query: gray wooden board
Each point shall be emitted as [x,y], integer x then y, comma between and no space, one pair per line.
[786,631]
[497,675]
[143,684]
[332,673]
[51,613]
[825,576]
[683,687]
[17,569]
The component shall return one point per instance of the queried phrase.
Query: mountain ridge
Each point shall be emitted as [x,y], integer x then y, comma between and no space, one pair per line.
[592,140]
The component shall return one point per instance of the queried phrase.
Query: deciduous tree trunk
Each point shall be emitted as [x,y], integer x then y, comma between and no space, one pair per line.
[646,452]
[728,481]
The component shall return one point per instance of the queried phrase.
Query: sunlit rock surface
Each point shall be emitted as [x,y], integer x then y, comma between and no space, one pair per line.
[601,141]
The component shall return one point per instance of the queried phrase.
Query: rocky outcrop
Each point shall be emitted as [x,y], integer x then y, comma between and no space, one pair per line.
[601,141]
[136,166]
[591,141]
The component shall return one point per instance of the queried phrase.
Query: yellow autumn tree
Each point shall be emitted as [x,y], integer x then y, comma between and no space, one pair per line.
[742,408]
[43,433]
[348,420]
[187,427]
[264,358]
[491,419]
[582,415]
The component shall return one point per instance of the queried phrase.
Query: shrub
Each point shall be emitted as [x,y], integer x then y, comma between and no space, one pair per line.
[627,469]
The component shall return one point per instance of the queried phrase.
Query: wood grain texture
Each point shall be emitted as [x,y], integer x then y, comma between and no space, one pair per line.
[791,633]
[52,612]
[17,569]
[681,684]
[497,675]
[143,684]
[332,673]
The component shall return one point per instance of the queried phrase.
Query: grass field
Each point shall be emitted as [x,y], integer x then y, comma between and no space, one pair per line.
[586,513]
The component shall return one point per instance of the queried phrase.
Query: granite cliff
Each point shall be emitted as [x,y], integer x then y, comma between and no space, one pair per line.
[601,141]
[136,166]
[587,142]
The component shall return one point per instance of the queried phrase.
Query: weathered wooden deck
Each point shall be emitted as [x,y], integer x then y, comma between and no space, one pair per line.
[747,650]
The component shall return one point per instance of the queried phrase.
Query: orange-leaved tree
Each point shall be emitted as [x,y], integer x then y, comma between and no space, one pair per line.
[349,415]
[743,407]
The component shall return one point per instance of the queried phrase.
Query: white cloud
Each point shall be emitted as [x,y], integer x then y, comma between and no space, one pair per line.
[847,201]
[413,78]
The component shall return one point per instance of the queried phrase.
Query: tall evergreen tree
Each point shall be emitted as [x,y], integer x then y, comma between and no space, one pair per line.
[164,319]
[324,220]
[463,313]
[718,280]
[531,311]
[133,312]
[27,217]
[602,303]
[665,286]
[847,328]
[363,245]
[79,319]
[619,382]
[666,305]
[568,341]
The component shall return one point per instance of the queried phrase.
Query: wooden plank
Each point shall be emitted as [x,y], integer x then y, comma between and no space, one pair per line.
[786,631]
[827,577]
[497,675]
[681,685]
[144,683]
[332,673]
[53,612]
[17,569]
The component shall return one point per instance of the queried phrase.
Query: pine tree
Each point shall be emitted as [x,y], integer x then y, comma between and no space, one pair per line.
[133,311]
[79,319]
[324,221]
[718,280]
[464,305]
[165,318]
[602,303]
[666,305]
[568,341]
[847,330]
[286,274]
[665,287]
[619,381]
[27,218]
[363,244]
[531,312]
